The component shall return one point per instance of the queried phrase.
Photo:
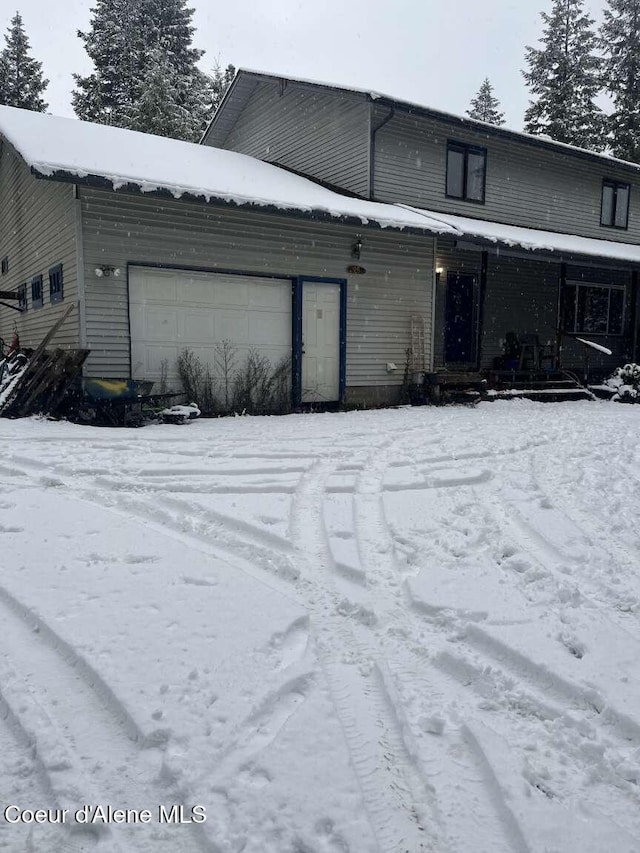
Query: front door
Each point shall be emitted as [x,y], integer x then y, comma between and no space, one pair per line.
[459,319]
[320,342]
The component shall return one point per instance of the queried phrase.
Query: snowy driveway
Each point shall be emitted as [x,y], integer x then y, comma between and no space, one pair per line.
[396,631]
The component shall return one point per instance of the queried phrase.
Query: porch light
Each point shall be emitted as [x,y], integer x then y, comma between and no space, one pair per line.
[439,270]
[107,271]
[356,249]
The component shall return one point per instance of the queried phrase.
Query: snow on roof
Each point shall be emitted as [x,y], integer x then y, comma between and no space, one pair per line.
[499,130]
[533,239]
[52,145]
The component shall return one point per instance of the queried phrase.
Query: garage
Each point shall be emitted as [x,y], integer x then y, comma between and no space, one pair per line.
[175,309]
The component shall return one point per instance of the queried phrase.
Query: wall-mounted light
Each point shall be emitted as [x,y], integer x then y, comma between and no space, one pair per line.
[356,249]
[107,271]
[439,270]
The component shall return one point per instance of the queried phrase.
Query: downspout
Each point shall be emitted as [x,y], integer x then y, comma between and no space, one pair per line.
[484,266]
[372,148]
[635,316]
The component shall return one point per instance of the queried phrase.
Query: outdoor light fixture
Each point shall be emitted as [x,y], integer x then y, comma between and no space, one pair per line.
[439,270]
[356,249]
[107,271]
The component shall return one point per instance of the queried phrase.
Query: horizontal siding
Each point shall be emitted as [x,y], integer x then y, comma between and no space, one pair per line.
[524,186]
[120,229]
[37,231]
[311,132]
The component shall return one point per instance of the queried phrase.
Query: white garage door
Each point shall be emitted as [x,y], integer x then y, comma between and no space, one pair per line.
[171,310]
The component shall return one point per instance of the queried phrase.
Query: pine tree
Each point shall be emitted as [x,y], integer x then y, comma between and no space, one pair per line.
[221,80]
[565,75]
[486,107]
[21,80]
[620,39]
[134,45]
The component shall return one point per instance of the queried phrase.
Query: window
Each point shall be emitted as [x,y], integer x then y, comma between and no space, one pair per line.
[36,291]
[55,284]
[614,211]
[4,265]
[466,170]
[592,308]
[22,297]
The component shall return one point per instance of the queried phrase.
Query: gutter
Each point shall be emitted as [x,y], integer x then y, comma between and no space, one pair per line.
[372,147]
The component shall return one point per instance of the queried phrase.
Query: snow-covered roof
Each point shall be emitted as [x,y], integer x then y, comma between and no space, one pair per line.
[533,239]
[51,145]
[245,74]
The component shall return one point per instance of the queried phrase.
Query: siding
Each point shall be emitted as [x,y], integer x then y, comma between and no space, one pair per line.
[524,184]
[311,132]
[37,231]
[119,228]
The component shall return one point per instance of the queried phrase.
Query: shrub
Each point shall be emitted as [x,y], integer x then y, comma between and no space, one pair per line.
[626,382]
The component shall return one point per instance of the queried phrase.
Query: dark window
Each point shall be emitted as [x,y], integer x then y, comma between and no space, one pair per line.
[36,291]
[614,212]
[22,297]
[55,284]
[4,265]
[466,171]
[596,309]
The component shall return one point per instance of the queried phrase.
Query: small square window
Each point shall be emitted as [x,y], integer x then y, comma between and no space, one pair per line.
[466,171]
[55,284]
[614,209]
[36,291]
[22,297]
[4,265]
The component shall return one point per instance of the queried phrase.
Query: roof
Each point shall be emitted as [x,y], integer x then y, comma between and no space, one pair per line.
[533,239]
[246,80]
[66,148]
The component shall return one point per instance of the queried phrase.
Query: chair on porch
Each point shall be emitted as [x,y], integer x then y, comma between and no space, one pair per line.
[534,355]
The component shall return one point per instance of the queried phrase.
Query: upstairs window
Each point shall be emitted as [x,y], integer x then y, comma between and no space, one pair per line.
[614,212]
[596,309]
[36,291]
[22,297]
[466,171]
[55,284]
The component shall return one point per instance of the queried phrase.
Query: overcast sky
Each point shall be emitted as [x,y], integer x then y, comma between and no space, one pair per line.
[432,52]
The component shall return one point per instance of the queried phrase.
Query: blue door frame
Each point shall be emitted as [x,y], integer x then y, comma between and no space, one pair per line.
[296,314]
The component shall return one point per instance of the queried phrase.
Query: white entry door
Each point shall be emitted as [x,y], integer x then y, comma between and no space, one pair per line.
[320,342]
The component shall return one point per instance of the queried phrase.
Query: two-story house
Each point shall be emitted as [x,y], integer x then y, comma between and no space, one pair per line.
[548,234]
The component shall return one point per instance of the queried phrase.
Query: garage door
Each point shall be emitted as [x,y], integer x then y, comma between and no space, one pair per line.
[171,310]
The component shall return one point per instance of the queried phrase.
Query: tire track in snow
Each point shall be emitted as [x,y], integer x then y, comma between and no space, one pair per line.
[77,722]
[377,548]
[393,792]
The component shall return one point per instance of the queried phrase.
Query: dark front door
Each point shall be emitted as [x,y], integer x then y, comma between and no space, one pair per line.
[459,319]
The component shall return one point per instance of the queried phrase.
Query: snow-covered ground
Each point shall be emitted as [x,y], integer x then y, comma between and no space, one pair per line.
[396,631]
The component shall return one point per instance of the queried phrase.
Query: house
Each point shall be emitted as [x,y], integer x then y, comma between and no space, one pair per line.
[547,234]
[166,245]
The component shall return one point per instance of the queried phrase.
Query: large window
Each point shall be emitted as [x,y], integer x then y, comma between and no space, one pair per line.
[596,309]
[614,212]
[466,171]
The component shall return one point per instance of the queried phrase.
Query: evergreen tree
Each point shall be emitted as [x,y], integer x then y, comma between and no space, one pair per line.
[136,45]
[486,107]
[220,81]
[620,39]
[21,80]
[565,75]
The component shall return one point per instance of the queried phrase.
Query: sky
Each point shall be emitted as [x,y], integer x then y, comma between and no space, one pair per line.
[431,52]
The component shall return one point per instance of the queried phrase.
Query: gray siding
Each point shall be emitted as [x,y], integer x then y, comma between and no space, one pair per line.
[524,185]
[311,132]
[37,231]
[119,229]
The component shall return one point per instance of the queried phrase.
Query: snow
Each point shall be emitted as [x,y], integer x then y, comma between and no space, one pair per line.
[533,238]
[52,145]
[368,632]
